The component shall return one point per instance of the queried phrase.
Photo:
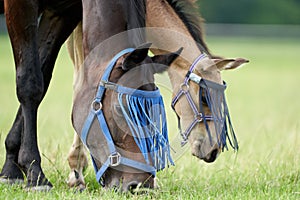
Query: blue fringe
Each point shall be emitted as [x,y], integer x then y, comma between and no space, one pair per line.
[146,118]
[215,98]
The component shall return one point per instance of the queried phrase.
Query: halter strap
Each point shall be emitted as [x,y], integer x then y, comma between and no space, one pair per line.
[184,90]
[101,89]
[115,158]
[108,70]
[192,67]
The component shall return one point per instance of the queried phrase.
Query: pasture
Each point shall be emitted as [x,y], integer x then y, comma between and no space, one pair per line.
[263,98]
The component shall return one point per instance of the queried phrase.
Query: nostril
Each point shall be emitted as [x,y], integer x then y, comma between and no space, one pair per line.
[132,186]
[214,154]
[212,157]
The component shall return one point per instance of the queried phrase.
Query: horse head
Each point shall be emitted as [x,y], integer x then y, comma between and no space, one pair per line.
[204,113]
[131,143]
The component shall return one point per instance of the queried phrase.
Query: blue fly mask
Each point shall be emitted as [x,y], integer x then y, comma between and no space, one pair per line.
[145,116]
[144,113]
[212,95]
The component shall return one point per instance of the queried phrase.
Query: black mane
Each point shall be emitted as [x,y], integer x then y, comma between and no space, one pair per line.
[136,18]
[189,14]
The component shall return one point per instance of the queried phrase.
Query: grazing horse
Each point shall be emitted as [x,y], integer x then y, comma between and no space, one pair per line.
[123,125]
[37,30]
[123,128]
[170,25]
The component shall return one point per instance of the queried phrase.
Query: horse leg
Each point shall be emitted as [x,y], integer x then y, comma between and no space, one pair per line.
[48,54]
[53,31]
[22,20]
[11,171]
[77,158]
[78,162]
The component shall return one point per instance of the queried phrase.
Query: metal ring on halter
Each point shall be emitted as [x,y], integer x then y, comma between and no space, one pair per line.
[184,137]
[115,159]
[184,87]
[199,117]
[183,142]
[96,105]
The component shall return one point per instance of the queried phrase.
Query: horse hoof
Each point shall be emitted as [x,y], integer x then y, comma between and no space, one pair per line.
[80,188]
[8,181]
[76,181]
[40,188]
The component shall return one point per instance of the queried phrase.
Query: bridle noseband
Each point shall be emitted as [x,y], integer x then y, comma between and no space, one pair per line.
[184,90]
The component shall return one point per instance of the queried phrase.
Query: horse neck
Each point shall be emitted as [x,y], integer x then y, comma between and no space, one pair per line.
[160,14]
[103,19]
[169,34]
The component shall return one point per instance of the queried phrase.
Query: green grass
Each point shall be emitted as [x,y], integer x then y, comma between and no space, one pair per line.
[263,98]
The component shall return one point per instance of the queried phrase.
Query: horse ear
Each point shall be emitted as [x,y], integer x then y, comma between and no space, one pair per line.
[136,57]
[165,60]
[226,64]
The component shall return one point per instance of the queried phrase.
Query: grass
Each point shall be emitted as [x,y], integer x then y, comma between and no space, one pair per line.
[263,98]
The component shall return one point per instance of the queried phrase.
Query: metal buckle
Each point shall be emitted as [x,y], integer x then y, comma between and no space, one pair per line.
[199,117]
[184,87]
[108,85]
[115,159]
[96,105]
[194,77]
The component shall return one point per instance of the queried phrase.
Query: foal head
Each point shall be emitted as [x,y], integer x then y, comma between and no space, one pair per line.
[201,105]
[128,115]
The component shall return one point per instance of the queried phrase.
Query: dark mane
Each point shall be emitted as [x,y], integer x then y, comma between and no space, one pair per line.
[136,16]
[188,12]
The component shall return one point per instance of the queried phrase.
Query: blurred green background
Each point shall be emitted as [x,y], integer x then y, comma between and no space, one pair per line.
[251,11]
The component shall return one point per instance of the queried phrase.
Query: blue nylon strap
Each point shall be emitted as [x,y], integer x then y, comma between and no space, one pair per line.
[87,125]
[108,70]
[138,93]
[111,64]
[101,171]
[126,162]
[100,92]
[138,165]
[106,132]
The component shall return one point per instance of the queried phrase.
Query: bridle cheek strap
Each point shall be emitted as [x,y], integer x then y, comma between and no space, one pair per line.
[199,116]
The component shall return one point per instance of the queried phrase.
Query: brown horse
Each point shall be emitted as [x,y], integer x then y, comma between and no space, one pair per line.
[37,29]
[170,26]
[119,162]
[125,153]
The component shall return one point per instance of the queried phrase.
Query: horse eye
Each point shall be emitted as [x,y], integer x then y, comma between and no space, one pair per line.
[203,100]
[118,110]
[119,67]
